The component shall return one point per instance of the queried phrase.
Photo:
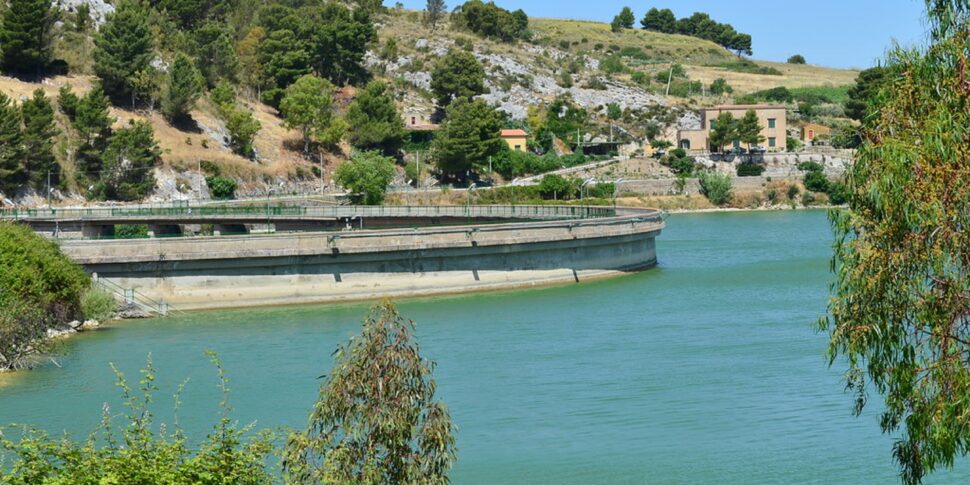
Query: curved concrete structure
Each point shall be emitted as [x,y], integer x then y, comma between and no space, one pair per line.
[234,271]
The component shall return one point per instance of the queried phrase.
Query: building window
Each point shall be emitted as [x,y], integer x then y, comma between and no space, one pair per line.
[712,124]
[518,148]
[771,122]
[413,121]
[771,142]
[811,134]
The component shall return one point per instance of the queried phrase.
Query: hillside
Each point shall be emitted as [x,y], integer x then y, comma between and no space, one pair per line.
[583,61]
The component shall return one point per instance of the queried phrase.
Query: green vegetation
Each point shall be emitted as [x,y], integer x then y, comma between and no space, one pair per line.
[366,176]
[183,88]
[720,86]
[796,59]
[867,85]
[899,307]
[433,12]
[124,48]
[97,304]
[141,450]
[698,25]
[373,121]
[715,186]
[469,135]
[377,419]
[749,67]
[25,36]
[492,21]
[39,131]
[39,289]
[129,158]
[623,20]
[12,171]
[457,75]
[221,188]
[750,169]
[308,107]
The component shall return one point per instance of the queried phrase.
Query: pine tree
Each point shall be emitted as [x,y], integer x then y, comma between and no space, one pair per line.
[123,48]
[93,122]
[39,131]
[24,36]
[11,147]
[749,129]
[468,136]
[374,121]
[457,75]
[184,88]
[131,155]
[433,12]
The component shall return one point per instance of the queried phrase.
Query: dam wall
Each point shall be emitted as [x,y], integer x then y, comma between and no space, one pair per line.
[191,273]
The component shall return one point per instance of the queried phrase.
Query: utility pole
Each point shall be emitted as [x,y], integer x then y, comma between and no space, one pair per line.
[670,77]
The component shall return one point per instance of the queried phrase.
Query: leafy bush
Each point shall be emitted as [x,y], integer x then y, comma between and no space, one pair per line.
[809,167]
[612,64]
[750,67]
[681,165]
[796,59]
[715,186]
[815,181]
[221,188]
[793,191]
[720,86]
[838,193]
[210,168]
[97,304]
[678,153]
[131,231]
[366,176]
[35,272]
[750,169]
[558,187]
[136,452]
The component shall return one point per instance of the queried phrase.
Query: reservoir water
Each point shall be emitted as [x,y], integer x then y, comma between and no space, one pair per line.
[704,370]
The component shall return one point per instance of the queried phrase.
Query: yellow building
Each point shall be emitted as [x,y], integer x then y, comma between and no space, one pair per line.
[773,121]
[813,131]
[517,140]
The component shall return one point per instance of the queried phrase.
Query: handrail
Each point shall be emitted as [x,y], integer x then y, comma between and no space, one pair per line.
[283,211]
[137,298]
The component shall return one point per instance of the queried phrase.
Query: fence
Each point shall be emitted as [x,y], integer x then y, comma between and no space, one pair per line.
[334,212]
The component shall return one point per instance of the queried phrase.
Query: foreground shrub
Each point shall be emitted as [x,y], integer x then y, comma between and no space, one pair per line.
[97,304]
[715,186]
[750,169]
[221,188]
[377,420]
[140,451]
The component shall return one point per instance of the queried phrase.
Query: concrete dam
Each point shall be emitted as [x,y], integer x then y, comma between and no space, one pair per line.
[340,253]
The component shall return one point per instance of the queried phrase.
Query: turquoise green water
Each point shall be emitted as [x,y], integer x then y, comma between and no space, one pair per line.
[703,370]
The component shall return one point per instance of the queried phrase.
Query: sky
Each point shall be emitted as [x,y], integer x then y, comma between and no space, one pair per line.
[834,33]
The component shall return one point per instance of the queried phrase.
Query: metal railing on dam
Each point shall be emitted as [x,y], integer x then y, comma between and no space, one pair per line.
[271,212]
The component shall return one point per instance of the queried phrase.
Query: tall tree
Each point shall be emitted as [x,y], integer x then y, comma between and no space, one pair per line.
[123,48]
[724,130]
[366,176]
[469,135]
[374,121]
[93,122]
[39,132]
[308,106]
[11,147]
[900,307]
[741,43]
[659,20]
[867,85]
[215,53]
[749,129]
[626,18]
[457,75]
[284,59]
[433,12]
[339,42]
[182,90]
[25,37]
[129,160]
[377,419]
